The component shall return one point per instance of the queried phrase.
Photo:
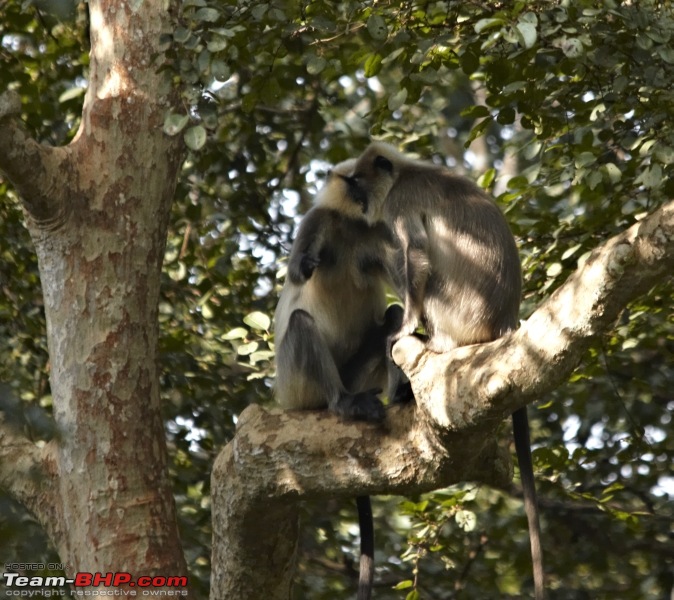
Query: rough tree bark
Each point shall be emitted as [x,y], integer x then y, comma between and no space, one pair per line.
[276,459]
[97,211]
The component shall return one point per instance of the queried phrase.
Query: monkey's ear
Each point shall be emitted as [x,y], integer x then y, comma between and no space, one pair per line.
[383,163]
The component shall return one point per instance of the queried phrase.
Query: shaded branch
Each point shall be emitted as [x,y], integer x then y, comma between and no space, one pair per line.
[38,172]
[25,473]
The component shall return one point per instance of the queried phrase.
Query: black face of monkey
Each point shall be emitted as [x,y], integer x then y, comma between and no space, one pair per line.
[356,192]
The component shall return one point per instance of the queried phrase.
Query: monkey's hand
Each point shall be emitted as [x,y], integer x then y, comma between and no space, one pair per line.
[363,406]
[301,270]
[409,327]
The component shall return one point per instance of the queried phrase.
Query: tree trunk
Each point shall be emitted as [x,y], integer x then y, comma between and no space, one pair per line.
[97,211]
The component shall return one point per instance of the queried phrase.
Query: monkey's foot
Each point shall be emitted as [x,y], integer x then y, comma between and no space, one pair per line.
[363,406]
[403,394]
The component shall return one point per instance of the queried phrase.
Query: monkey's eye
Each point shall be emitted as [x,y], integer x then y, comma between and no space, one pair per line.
[383,163]
[328,174]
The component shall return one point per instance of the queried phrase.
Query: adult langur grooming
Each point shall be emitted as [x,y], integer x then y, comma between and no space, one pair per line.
[456,267]
[331,323]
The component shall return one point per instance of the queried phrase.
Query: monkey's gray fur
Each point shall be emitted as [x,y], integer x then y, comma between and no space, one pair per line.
[332,323]
[332,309]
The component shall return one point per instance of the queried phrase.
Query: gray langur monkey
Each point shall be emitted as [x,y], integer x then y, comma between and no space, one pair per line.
[332,324]
[331,317]
[457,269]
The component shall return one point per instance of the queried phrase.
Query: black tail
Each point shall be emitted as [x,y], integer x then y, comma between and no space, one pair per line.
[523,449]
[366,547]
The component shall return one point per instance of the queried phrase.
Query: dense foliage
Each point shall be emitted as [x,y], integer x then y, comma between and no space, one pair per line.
[563,109]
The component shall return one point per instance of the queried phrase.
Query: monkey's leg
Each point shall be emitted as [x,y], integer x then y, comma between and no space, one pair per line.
[307,377]
[523,450]
[371,365]
[412,234]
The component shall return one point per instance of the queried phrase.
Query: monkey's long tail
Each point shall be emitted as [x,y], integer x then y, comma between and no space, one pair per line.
[366,524]
[523,450]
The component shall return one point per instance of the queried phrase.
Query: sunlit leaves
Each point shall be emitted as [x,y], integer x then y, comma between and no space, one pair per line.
[526,30]
[373,64]
[257,320]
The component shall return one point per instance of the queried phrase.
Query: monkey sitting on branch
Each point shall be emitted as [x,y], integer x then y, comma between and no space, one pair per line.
[332,324]
[457,268]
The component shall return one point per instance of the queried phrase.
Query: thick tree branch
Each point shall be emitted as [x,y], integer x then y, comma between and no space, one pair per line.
[27,473]
[39,173]
[278,458]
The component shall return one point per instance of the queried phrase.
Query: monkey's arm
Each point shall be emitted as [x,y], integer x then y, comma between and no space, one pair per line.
[306,252]
[411,232]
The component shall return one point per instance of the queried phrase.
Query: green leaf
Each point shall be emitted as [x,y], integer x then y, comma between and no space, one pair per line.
[593,179]
[195,137]
[612,172]
[469,62]
[391,57]
[247,349]
[485,180]
[553,270]
[527,34]
[665,154]
[466,519]
[404,585]
[569,252]
[475,112]
[261,355]
[259,10]
[666,54]
[217,44]
[220,70]
[174,123]
[376,27]
[372,65]
[181,34]
[572,47]
[71,93]
[396,100]
[257,320]
[483,24]
[316,64]
[478,130]
[651,177]
[518,182]
[585,159]
[238,333]
[209,15]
